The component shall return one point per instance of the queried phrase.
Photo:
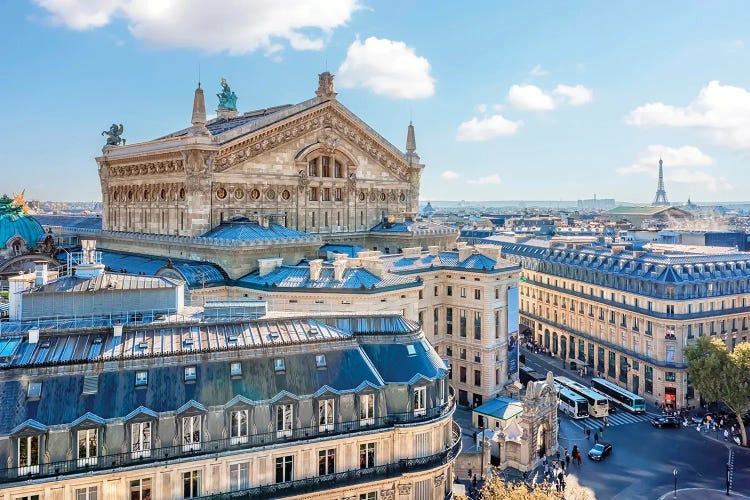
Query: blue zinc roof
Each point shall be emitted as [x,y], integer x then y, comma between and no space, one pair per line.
[250,231]
[412,227]
[668,266]
[444,260]
[192,272]
[355,278]
[92,222]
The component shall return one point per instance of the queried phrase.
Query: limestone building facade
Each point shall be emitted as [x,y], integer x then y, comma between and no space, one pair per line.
[331,407]
[314,165]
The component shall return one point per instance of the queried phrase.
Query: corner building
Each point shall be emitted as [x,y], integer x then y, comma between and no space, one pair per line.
[335,407]
[628,314]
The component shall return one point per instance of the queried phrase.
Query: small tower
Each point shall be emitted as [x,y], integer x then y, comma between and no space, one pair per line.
[411,146]
[661,194]
[199,113]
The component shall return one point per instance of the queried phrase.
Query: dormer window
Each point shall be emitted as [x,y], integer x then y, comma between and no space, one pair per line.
[141,379]
[190,374]
[325,415]
[410,350]
[28,455]
[235,369]
[367,409]
[278,365]
[284,420]
[88,441]
[34,391]
[320,361]
[420,401]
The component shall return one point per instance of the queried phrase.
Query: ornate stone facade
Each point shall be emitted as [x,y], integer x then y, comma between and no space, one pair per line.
[315,164]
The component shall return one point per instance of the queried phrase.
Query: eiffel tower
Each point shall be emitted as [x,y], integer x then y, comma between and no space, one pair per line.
[661,194]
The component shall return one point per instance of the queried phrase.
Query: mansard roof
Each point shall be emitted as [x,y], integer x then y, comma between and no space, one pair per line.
[445,260]
[361,352]
[669,265]
[298,277]
[193,272]
[244,230]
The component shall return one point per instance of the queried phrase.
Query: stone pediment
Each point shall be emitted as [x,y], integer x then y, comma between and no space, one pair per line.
[328,118]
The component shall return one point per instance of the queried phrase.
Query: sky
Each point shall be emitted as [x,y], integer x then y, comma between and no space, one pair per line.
[532,100]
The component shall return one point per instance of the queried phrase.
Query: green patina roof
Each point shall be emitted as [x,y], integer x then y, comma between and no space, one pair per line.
[13,221]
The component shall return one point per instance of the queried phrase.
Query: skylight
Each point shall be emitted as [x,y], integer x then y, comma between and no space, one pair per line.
[411,350]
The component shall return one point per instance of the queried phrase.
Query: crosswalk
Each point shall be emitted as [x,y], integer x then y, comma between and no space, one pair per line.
[620,418]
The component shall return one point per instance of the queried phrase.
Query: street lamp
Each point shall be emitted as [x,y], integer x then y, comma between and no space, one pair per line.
[675,481]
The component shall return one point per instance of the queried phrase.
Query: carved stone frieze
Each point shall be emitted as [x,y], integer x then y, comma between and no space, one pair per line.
[147,168]
[439,479]
[388,494]
[404,489]
[333,124]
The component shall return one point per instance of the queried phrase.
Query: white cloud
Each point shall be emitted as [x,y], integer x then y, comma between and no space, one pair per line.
[573,95]
[682,165]
[487,128]
[386,67]
[721,111]
[482,108]
[538,71]
[530,97]
[449,175]
[243,25]
[498,107]
[490,179]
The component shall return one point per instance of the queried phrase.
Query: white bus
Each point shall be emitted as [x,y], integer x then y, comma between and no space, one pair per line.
[616,394]
[598,403]
[572,404]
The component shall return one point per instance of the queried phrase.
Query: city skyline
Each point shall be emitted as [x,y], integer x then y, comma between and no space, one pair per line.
[561,78]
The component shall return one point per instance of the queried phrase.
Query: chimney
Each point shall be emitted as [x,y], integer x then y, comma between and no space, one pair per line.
[268,265]
[434,250]
[16,285]
[315,267]
[339,256]
[464,253]
[374,266]
[616,249]
[412,252]
[34,336]
[117,329]
[638,253]
[490,251]
[41,276]
[339,266]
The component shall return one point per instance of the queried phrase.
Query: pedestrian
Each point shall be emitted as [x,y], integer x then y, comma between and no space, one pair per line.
[601,429]
[588,433]
[560,477]
[469,474]
[474,481]
[567,460]
[726,434]
[558,455]
[562,465]
[596,438]
[578,456]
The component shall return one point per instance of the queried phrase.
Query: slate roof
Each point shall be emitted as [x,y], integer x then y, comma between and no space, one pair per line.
[348,250]
[675,266]
[93,222]
[245,230]
[298,277]
[105,281]
[642,210]
[194,273]
[357,354]
[444,260]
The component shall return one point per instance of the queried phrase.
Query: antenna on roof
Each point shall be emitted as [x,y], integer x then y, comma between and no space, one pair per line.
[199,75]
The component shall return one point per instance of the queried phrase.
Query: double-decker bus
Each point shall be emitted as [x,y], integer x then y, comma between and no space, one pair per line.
[618,395]
[571,403]
[598,403]
[526,375]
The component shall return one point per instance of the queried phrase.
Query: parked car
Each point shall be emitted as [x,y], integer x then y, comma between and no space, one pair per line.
[667,421]
[599,451]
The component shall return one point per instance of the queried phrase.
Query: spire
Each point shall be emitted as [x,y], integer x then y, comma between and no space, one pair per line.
[199,108]
[411,141]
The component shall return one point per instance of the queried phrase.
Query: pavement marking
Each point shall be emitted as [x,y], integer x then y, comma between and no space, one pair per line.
[731,469]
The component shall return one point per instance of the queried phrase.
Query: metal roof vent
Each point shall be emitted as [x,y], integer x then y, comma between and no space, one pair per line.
[187,342]
[232,338]
[143,345]
[97,340]
[313,331]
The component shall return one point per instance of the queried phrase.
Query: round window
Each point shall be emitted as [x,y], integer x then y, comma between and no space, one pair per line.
[361,196]
[402,197]
[239,193]
[285,195]
[382,196]
[221,193]
[182,193]
[271,194]
[255,194]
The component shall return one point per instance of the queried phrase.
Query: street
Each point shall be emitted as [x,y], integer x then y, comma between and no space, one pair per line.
[644,458]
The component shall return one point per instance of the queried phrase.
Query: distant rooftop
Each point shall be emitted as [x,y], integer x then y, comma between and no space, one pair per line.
[445,260]
[413,227]
[93,222]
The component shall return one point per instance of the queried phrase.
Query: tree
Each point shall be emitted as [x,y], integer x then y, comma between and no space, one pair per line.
[497,488]
[720,375]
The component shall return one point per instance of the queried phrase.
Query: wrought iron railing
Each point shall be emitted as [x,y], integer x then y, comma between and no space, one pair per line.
[230,444]
[350,477]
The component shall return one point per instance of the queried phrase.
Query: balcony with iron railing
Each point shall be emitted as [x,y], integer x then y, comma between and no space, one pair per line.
[196,451]
[351,477]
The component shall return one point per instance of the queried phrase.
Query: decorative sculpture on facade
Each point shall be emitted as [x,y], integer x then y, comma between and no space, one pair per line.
[303,180]
[113,135]
[325,86]
[227,98]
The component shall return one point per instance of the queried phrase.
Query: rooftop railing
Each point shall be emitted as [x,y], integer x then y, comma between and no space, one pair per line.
[350,477]
[196,451]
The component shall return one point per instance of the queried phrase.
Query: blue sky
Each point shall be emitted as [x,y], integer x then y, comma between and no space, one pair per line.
[510,100]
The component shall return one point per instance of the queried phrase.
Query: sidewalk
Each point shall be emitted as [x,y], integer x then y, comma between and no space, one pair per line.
[699,494]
